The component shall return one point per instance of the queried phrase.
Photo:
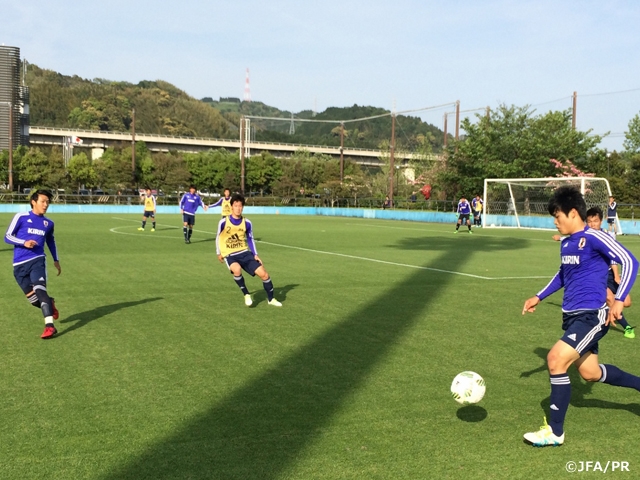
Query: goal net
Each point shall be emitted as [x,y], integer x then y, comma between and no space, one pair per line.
[522,202]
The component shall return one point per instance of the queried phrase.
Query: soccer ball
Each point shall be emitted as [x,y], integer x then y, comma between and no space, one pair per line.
[468,388]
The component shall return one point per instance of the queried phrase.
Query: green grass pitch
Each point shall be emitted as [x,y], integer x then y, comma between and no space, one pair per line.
[159,371]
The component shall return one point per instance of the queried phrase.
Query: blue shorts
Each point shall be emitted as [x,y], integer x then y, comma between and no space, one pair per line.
[611,220]
[463,216]
[583,330]
[31,273]
[246,260]
[611,283]
[188,219]
[148,214]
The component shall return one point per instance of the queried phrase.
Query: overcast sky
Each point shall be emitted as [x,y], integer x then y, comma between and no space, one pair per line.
[313,55]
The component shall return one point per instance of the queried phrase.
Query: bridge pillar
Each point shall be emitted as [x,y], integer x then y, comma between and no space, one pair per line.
[96,153]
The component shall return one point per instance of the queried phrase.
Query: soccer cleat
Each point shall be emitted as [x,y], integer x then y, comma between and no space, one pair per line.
[456,231]
[544,437]
[470,232]
[141,229]
[56,313]
[186,240]
[275,302]
[629,332]
[49,332]
[247,300]
[153,229]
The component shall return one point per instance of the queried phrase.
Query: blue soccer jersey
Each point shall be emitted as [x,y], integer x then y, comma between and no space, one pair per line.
[29,226]
[189,203]
[464,208]
[585,258]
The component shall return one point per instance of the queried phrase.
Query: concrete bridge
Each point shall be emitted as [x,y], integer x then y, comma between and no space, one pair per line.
[98,141]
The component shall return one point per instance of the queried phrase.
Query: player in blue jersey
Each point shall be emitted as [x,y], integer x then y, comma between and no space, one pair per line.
[585,257]
[189,204]
[594,220]
[235,247]
[612,213]
[464,210]
[477,205]
[28,233]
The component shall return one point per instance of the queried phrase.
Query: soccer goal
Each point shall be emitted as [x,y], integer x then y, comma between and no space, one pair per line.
[522,202]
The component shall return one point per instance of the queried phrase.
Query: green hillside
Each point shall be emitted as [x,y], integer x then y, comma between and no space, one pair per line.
[161,108]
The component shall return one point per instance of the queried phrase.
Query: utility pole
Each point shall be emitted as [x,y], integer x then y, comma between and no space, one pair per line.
[392,148]
[457,120]
[242,154]
[575,105]
[10,147]
[341,152]
[133,146]
[446,116]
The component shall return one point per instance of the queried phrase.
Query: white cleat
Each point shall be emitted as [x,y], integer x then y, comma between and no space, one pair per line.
[544,437]
[247,300]
[275,302]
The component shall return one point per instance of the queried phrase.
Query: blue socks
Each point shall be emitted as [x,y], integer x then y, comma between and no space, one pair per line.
[560,397]
[268,287]
[240,282]
[614,376]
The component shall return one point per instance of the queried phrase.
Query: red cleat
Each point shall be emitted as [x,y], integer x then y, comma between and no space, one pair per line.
[56,313]
[49,332]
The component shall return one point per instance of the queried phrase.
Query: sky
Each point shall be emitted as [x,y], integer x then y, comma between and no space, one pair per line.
[401,54]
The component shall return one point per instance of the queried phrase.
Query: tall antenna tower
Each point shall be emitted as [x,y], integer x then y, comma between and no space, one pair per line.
[247,88]
[292,126]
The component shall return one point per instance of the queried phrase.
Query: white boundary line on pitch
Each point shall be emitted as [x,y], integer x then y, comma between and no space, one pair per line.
[355,257]
[434,230]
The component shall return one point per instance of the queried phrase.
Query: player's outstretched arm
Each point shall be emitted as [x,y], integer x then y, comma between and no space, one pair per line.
[530,305]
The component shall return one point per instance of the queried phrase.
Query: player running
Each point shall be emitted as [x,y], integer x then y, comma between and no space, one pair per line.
[464,210]
[28,232]
[225,203]
[235,247]
[584,260]
[189,204]
[149,209]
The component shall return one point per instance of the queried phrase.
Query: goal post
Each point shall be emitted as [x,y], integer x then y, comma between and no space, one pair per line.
[522,202]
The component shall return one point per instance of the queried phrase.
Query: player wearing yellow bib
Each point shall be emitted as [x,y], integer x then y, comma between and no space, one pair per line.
[149,209]
[235,247]
[225,203]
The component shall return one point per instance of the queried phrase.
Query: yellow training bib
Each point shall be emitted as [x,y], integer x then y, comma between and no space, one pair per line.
[226,207]
[149,204]
[233,238]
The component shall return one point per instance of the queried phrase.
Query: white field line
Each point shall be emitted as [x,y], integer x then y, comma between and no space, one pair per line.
[323,252]
[440,231]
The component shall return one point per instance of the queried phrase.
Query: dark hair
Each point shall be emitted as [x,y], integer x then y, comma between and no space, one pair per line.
[226,190]
[236,197]
[595,212]
[565,199]
[147,188]
[35,195]
[192,186]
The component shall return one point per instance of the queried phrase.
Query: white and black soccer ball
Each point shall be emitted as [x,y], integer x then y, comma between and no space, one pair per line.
[468,388]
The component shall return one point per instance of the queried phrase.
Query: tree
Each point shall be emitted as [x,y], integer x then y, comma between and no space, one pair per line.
[34,167]
[632,136]
[513,143]
[81,172]
[170,172]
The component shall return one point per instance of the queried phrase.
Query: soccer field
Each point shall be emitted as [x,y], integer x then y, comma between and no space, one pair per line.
[160,371]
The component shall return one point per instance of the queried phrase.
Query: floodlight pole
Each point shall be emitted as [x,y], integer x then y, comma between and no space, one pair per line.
[242,126]
[446,116]
[575,106]
[392,148]
[133,147]
[341,152]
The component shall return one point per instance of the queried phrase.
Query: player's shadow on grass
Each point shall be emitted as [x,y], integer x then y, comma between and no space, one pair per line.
[279,293]
[580,389]
[261,429]
[83,318]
